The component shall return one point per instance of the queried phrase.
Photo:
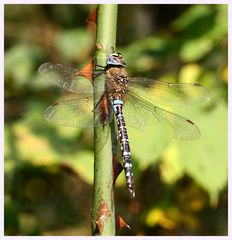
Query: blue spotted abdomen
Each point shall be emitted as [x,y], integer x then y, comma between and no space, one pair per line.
[125,147]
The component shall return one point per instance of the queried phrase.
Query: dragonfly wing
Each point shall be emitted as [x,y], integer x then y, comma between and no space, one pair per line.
[168,94]
[183,128]
[134,112]
[141,110]
[78,112]
[70,79]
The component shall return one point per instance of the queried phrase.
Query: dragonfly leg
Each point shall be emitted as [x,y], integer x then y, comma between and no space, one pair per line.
[100,66]
[98,73]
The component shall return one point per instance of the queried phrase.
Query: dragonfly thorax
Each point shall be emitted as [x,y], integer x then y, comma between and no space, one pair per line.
[117,81]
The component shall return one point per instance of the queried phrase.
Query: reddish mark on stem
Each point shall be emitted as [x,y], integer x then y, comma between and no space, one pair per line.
[99,46]
[103,214]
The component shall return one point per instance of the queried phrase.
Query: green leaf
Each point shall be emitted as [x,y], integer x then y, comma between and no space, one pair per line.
[82,162]
[72,43]
[193,50]
[148,146]
[205,160]
[39,150]
[190,16]
[19,62]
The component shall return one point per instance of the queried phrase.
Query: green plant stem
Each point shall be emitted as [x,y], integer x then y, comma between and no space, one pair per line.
[103,213]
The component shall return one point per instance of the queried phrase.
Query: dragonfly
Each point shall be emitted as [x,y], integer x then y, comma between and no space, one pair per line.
[131,99]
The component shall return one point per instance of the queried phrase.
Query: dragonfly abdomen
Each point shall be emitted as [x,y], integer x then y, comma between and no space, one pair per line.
[125,147]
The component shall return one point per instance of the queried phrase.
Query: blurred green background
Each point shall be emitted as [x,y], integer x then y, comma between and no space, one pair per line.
[181,186]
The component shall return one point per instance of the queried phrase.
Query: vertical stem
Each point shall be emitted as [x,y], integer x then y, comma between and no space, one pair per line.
[103,214]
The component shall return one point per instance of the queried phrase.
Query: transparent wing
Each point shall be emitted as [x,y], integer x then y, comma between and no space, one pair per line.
[136,115]
[78,112]
[137,112]
[70,79]
[168,94]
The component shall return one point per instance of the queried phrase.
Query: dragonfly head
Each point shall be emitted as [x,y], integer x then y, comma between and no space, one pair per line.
[116,59]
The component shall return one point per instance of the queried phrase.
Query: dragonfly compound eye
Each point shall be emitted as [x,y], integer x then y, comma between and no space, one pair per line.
[115,60]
